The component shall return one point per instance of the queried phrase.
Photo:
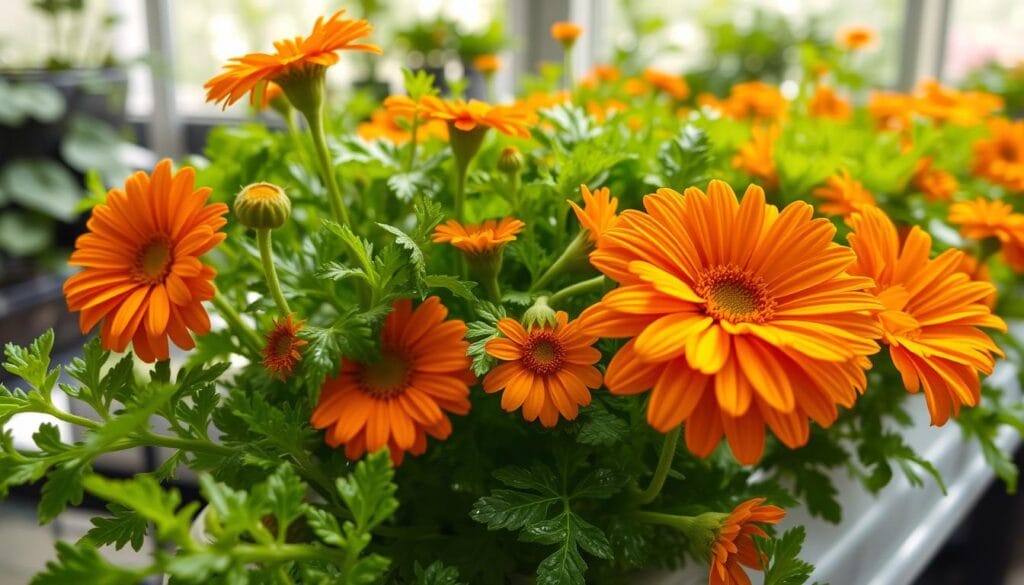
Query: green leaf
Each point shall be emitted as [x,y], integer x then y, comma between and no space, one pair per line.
[368,570]
[403,239]
[32,363]
[600,427]
[784,566]
[437,574]
[369,492]
[285,494]
[82,563]
[41,185]
[40,101]
[460,288]
[325,526]
[47,438]
[24,234]
[145,497]
[15,471]
[63,486]
[197,567]
[565,567]
[125,526]
[511,510]
[92,145]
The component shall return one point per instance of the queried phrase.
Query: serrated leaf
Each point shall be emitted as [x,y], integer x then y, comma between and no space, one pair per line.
[565,567]
[144,496]
[460,288]
[369,492]
[82,563]
[601,427]
[784,566]
[285,493]
[31,363]
[437,574]
[63,486]
[126,526]
[511,510]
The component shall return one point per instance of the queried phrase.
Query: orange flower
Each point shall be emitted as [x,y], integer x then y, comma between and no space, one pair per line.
[981,219]
[566,32]
[605,73]
[826,104]
[484,239]
[141,275]
[1000,159]
[548,370]
[487,64]
[754,99]
[673,85]
[598,213]
[734,545]
[855,38]
[384,124]
[844,195]
[757,157]
[636,87]
[271,92]
[947,105]
[891,110]
[396,401]
[294,59]
[282,350]
[602,111]
[469,116]
[970,266]
[932,314]
[935,184]
[726,305]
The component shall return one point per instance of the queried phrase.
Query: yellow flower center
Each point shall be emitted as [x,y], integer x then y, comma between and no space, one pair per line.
[262,192]
[153,261]
[735,295]
[543,352]
[387,377]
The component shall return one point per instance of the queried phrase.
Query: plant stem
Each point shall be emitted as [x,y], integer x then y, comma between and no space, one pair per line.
[414,134]
[594,284]
[281,553]
[571,253]
[460,190]
[183,444]
[493,288]
[267,257]
[323,155]
[245,334]
[570,80]
[672,520]
[71,418]
[668,452]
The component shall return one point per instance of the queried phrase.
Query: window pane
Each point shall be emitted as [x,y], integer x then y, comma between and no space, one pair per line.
[981,31]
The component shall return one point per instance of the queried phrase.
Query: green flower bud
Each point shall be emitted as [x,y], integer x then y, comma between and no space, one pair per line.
[262,206]
[511,160]
[539,315]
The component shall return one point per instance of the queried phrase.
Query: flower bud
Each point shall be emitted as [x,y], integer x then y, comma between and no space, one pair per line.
[510,161]
[262,206]
[539,315]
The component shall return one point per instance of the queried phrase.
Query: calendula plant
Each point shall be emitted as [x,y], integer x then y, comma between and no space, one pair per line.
[548,341]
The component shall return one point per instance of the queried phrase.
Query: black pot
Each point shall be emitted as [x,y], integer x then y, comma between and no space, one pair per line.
[476,87]
[29,308]
[98,93]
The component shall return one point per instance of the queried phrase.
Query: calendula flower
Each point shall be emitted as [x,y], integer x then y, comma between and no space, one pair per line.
[468,116]
[1000,158]
[933,312]
[566,32]
[602,74]
[141,271]
[825,103]
[294,61]
[597,215]
[487,64]
[547,371]
[856,38]
[946,105]
[282,350]
[935,184]
[843,195]
[753,100]
[422,375]
[740,316]
[757,157]
[976,270]
[734,545]
[673,85]
[982,219]
[486,238]
[891,110]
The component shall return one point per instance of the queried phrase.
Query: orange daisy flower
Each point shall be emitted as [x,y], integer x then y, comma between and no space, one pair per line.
[843,195]
[566,32]
[395,402]
[298,58]
[970,266]
[597,215]
[283,348]
[1000,159]
[757,157]
[734,545]
[933,312]
[605,73]
[487,64]
[673,85]
[467,116]
[724,302]
[271,93]
[754,99]
[981,219]
[141,275]
[946,105]
[825,103]
[548,370]
[891,110]
[935,184]
[479,240]
[855,38]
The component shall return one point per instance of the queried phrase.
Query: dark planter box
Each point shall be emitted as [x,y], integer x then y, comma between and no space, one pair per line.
[30,307]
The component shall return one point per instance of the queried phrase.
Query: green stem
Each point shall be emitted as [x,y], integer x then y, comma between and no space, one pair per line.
[282,553]
[323,155]
[183,444]
[245,334]
[594,284]
[414,134]
[267,257]
[570,80]
[71,418]
[296,136]
[460,190]
[681,522]
[573,252]
[493,288]
[668,452]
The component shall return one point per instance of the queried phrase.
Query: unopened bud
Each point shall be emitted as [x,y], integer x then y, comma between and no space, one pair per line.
[262,206]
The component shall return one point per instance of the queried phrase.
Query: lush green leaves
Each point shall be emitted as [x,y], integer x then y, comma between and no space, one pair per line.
[784,565]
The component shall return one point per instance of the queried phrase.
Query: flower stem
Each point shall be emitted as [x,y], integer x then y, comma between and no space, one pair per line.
[414,132]
[493,288]
[184,444]
[267,257]
[668,451]
[570,80]
[460,190]
[594,284]
[315,120]
[571,254]
[672,520]
[245,334]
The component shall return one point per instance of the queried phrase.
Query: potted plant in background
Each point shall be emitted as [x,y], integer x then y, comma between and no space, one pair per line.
[478,53]
[429,46]
[61,116]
